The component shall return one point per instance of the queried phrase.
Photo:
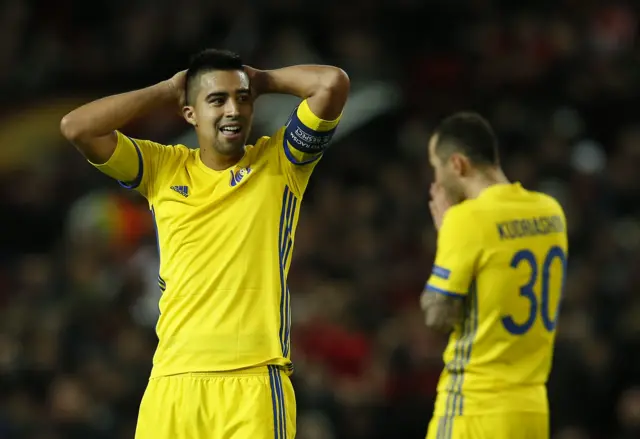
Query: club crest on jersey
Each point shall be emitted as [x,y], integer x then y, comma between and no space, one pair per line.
[238,175]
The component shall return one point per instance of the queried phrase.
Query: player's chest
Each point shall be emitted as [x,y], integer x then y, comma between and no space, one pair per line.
[242,192]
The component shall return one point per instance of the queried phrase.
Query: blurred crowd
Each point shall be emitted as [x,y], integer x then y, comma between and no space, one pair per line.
[78,297]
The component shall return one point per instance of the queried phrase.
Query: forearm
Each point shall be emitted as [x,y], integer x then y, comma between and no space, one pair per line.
[103,116]
[440,312]
[325,87]
[302,81]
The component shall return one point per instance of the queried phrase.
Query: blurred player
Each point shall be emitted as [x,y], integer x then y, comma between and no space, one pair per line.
[226,216]
[496,283]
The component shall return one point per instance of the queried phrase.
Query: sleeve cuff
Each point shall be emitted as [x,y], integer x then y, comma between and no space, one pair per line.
[444,292]
[136,182]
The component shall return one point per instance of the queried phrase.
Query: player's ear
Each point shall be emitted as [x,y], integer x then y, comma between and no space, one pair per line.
[189,115]
[459,164]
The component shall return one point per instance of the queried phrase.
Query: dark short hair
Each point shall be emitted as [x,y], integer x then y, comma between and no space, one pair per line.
[206,61]
[470,134]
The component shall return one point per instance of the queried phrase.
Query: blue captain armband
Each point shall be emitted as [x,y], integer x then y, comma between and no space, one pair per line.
[305,139]
[308,134]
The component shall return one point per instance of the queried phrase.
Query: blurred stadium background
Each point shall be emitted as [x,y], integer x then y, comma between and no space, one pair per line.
[560,80]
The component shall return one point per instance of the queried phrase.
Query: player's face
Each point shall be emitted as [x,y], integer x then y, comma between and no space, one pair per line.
[445,174]
[223,110]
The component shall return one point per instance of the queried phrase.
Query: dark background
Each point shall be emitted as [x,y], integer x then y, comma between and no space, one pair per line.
[558,79]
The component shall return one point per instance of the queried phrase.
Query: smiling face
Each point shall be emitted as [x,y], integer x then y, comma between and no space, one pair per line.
[221,110]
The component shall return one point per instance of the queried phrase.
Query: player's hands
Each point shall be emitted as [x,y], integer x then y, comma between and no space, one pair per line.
[439,204]
[177,85]
[258,80]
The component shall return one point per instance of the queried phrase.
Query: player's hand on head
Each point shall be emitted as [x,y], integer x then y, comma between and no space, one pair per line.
[178,84]
[257,79]
[438,204]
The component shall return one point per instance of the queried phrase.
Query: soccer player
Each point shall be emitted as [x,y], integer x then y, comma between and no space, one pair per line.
[226,217]
[496,284]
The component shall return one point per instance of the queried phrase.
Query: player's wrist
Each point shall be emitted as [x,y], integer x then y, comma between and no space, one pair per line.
[260,81]
[164,90]
[171,91]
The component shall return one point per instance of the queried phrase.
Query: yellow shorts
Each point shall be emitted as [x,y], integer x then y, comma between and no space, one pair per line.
[504,426]
[256,403]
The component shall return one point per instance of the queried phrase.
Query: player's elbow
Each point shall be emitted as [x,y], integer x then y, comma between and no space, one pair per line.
[70,128]
[330,94]
[337,82]
[96,149]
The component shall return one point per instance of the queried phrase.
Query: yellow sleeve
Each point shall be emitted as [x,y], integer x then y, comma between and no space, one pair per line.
[305,138]
[456,256]
[135,163]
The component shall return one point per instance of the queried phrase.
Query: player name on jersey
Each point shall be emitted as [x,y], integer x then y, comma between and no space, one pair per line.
[522,228]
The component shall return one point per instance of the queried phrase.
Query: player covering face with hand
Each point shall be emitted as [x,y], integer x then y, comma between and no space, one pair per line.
[495,287]
[226,215]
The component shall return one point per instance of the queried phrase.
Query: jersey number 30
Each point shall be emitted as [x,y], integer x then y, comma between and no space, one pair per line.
[527,291]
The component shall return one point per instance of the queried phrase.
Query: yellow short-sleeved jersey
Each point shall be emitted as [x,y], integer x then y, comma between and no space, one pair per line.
[504,254]
[225,240]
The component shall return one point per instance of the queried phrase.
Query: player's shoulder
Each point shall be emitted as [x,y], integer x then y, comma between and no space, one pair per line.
[503,199]
[463,210]
[461,225]
[168,159]
[183,151]
[547,203]
[546,199]
[175,152]
[180,150]
[261,144]
[178,154]
[459,216]
[266,141]
[265,145]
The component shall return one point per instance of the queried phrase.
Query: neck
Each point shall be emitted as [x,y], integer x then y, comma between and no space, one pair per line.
[219,162]
[484,179]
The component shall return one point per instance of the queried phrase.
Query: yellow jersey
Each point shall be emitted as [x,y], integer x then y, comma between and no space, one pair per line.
[504,254]
[225,240]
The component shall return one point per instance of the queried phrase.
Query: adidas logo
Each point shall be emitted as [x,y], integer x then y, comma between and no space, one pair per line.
[182,190]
